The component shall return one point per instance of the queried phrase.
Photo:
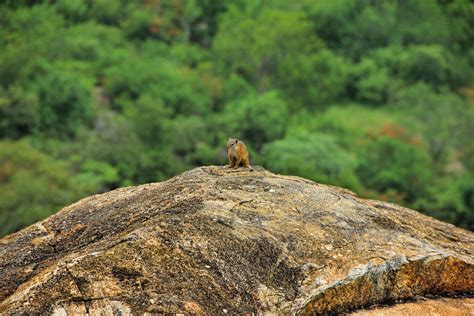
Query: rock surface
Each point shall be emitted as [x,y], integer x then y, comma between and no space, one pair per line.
[217,241]
[432,307]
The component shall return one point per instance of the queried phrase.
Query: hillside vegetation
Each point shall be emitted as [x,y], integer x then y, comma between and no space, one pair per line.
[374,96]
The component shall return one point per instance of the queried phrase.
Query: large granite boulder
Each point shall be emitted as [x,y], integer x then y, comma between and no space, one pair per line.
[216,241]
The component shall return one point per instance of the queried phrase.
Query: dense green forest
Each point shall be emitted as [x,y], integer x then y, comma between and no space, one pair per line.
[375,96]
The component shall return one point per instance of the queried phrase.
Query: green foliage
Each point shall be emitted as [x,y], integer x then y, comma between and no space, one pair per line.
[315,80]
[421,22]
[148,116]
[315,156]
[18,112]
[392,164]
[351,124]
[201,19]
[64,104]
[377,24]
[114,142]
[181,89]
[190,139]
[28,33]
[108,12]
[425,63]
[73,10]
[370,27]
[448,124]
[375,96]
[461,25]
[97,175]
[258,48]
[94,43]
[451,200]
[372,83]
[32,186]
[257,118]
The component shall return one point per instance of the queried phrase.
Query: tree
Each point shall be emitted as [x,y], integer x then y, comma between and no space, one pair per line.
[18,112]
[354,28]
[32,186]
[443,119]
[258,47]
[313,156]
[450,199]
[181,89]
[256,118]
[390,163]
[65,104]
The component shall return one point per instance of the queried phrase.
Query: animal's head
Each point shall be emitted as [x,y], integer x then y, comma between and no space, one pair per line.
[232,142]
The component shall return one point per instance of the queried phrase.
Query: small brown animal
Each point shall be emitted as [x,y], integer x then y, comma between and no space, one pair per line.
[237,154]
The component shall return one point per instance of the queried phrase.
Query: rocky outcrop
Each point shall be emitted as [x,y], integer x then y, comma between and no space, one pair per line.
[432,307]
[216,241]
